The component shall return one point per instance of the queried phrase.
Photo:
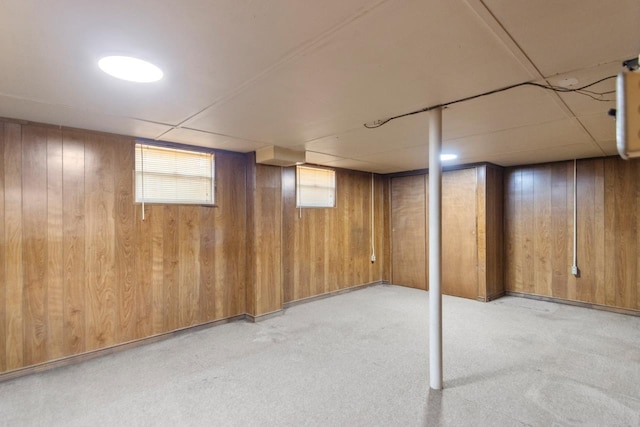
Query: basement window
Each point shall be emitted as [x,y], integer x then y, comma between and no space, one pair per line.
[316,187]
[171,175]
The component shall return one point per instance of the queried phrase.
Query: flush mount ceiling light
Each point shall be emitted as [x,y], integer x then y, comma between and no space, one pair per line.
[445,157]
[130,69]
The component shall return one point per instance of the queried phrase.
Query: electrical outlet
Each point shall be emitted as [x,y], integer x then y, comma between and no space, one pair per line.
[373,258]
[574,270]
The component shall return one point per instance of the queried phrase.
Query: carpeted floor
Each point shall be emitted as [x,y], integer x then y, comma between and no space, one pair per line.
[358,359]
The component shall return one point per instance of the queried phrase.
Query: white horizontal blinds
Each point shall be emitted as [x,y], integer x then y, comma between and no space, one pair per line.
[169,175]
[316,188]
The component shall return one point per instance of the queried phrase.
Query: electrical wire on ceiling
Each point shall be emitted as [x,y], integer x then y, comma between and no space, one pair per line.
[579,90]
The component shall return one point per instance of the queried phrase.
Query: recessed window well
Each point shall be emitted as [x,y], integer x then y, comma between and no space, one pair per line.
[445,157]
[130,69]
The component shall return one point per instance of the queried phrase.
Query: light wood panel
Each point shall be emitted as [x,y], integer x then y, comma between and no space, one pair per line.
[125,253]
[100,298]
[73,242]
[329,249]
[459,240]
[13,243]
[55,233]
[409,231]
[607,226]
[264,238]
[34,222]
[3,288]
[80,268]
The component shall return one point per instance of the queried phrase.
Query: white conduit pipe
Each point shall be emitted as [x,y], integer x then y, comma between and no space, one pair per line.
[142,178]
[373,213]
[574,266]
[435,246]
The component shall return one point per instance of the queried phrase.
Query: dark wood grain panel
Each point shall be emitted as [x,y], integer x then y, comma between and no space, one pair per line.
[101,293]
[494,231]
[55,270]
[34,243]
[230,235]
[73,243]
[290,233]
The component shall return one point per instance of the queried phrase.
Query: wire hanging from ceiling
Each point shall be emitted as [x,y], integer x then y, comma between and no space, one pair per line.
[579,90]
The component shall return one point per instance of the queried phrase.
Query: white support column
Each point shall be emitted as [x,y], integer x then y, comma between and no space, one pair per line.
[435,249]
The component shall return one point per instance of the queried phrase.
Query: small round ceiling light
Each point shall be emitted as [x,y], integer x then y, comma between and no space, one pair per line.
[446,157]
[130,69]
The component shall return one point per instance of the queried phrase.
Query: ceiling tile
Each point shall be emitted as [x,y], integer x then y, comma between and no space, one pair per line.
[560,36]
[61,115]
[204,139]
[543,136]
[544,155]
[601,126]
[399,57]
[582,104]
[358,165]
[609,147]
[206,49]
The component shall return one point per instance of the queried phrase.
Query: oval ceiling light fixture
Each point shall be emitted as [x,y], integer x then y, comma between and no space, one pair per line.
[130,69]
[446,157]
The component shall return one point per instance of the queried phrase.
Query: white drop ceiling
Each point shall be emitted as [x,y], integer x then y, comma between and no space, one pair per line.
[307,74]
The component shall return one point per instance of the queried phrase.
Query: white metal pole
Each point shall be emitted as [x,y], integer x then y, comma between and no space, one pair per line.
[435,246]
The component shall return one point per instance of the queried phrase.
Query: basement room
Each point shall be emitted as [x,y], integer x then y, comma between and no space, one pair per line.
[320,213]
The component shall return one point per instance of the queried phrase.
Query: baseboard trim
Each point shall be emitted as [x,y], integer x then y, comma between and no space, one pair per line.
[495,296]
[332,294]
[601,307]
[261,317]
[93,354]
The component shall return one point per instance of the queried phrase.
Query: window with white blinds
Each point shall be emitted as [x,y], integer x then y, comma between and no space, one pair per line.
[169,175]
[316,188]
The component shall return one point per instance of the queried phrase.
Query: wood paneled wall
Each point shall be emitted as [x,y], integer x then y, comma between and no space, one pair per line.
[329,249]
[80,270]
[264,238]
[409,225]
[539,231]
[471,231]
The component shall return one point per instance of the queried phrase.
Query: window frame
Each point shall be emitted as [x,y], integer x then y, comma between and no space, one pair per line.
[174,147]
[299,187]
